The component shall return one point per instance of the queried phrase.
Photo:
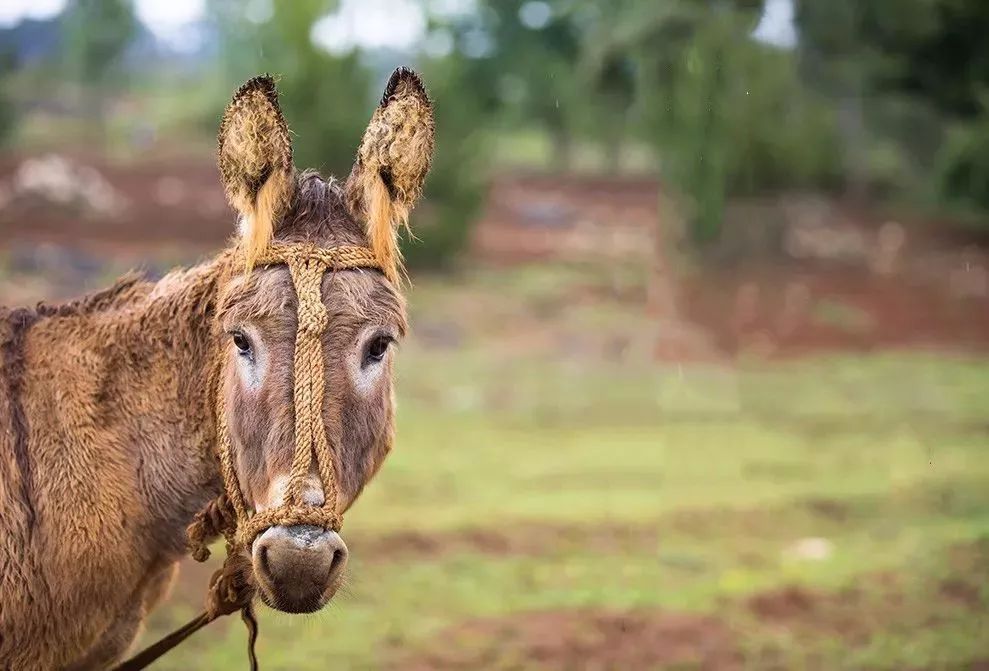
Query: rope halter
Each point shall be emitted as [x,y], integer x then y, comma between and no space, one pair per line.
[307,264]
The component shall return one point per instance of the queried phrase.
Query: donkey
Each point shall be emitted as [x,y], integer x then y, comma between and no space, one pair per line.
[108,447]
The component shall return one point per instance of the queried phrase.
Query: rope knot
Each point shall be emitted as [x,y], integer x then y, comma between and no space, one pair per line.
[313,322]
[231,588]
[218,517]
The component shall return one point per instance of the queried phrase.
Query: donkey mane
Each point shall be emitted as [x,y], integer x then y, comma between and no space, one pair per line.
[319,211]
[121,292]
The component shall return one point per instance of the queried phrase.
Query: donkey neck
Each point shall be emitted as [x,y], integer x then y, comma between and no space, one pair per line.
[120,391]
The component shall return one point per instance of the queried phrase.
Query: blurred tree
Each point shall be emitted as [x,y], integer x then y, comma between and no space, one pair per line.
[727,115]
[8,110]
[932,49]
[928,55]
[612,85]
[530,48]
[527,55]
[683,52]
[96,35]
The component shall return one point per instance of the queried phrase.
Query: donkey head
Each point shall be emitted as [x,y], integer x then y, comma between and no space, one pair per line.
[298,567]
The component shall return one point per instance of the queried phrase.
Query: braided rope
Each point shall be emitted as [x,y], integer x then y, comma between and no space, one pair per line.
[343,257]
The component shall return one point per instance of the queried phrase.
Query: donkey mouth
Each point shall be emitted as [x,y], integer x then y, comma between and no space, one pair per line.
[295,604]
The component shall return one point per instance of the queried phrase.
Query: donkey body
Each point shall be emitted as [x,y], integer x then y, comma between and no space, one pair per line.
[106,405]
[93,522]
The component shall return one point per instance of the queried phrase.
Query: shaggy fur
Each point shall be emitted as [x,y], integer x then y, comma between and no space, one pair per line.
[391,166]
[107,421]
[254,153]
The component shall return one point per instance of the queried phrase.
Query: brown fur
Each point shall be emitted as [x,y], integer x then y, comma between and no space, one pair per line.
[108,424]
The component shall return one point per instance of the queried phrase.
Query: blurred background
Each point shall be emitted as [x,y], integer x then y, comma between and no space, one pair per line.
[698,368]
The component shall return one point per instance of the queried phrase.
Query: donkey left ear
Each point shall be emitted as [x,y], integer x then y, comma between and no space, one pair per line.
[391,166]
[254,153]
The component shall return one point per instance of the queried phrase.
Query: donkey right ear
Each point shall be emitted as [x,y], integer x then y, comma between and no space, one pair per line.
[254,153]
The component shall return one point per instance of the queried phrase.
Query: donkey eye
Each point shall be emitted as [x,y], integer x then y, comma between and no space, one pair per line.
[241,342]
[376,349]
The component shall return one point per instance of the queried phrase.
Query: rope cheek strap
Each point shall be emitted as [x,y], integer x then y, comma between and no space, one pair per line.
[232,587]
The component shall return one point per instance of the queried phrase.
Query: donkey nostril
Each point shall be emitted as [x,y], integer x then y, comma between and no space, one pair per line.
[337,562]
[262,557]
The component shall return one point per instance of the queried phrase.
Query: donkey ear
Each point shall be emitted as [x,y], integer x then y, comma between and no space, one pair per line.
[254,153]
[391,165]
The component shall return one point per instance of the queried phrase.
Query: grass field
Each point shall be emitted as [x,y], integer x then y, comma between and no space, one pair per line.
[548,512]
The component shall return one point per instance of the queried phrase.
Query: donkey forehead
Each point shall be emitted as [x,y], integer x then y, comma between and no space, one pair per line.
[354,297]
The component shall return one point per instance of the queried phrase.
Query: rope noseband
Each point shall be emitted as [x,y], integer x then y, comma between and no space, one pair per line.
[232,587]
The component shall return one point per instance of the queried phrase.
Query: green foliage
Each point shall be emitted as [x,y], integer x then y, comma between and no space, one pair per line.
[533,68]
[930,49]
[962,174]
[96,34]
[930,55]
[781,136]
[727,115]
[8,111]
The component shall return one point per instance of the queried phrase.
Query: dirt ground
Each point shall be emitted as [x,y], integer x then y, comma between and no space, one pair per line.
[586,639]
[755,311]
[156,199]
[769,622]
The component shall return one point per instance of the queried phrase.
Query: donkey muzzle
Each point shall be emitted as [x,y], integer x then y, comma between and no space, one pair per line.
[298,568]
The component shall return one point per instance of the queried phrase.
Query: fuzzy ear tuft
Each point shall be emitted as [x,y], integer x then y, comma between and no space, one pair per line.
[392,163]
[254,153]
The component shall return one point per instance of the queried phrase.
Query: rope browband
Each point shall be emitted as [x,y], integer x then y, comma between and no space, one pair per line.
[232,587]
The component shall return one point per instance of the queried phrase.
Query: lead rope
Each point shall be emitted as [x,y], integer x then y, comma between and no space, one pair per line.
[232,588]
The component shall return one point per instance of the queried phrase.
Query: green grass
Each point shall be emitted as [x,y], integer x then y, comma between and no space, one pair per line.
[714,473]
